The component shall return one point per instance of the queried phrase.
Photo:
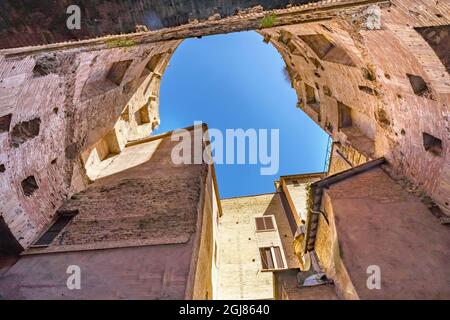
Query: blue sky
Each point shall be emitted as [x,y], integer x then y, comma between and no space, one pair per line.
[236,81]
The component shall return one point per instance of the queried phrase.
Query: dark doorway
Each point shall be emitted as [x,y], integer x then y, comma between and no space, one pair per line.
[8,244]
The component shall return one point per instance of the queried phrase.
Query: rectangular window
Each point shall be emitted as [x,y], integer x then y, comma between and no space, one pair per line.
[271,258]
[432,144]
[264,223]
[345,115]
[310,94]
[117,71]
[62,220]
[278,258]
[142,116]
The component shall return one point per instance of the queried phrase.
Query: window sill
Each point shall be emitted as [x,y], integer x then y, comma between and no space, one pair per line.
[273,270]
[267,230]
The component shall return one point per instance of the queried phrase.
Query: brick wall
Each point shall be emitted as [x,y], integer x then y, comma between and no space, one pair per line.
[144,230]
[374,222]
[368,72]
[50,89]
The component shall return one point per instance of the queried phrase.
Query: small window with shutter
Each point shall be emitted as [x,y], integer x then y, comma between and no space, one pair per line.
[63,217]
[271,258]
[264,223]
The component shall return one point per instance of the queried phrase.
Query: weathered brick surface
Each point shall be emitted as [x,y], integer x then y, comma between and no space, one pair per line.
[373,221]
[388,118]
[78,108]
[69,125]
[137,204]
[153,222]
[150,272]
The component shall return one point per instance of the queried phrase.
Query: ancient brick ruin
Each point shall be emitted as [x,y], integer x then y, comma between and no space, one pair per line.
[373,74]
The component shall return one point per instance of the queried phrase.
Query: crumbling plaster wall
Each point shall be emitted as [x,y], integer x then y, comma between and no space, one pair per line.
[388,117]
[75,100]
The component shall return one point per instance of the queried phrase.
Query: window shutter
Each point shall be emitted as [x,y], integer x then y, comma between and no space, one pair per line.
[266,258]
[264,223]
[269,223]
[260,226]
[262,252]
[270,264]
[64,217]
[278,257]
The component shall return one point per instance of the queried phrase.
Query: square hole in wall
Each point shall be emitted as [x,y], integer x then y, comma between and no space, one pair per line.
[29,186]
[117,71]
[108,146]
[8,243]
[432,144]
[271,258]
[311,99]
[345,115]
[318,43]
[142,116]
[5,122]
[154,64]
[326,50]
[418,85]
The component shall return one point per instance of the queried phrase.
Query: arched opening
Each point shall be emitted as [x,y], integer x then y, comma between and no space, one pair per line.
[236,81]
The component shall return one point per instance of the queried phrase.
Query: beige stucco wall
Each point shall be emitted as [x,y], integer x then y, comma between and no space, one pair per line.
[295,188]
[240,275]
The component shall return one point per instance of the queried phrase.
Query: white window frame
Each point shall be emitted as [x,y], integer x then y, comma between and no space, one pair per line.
[274,259]
[266,230]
